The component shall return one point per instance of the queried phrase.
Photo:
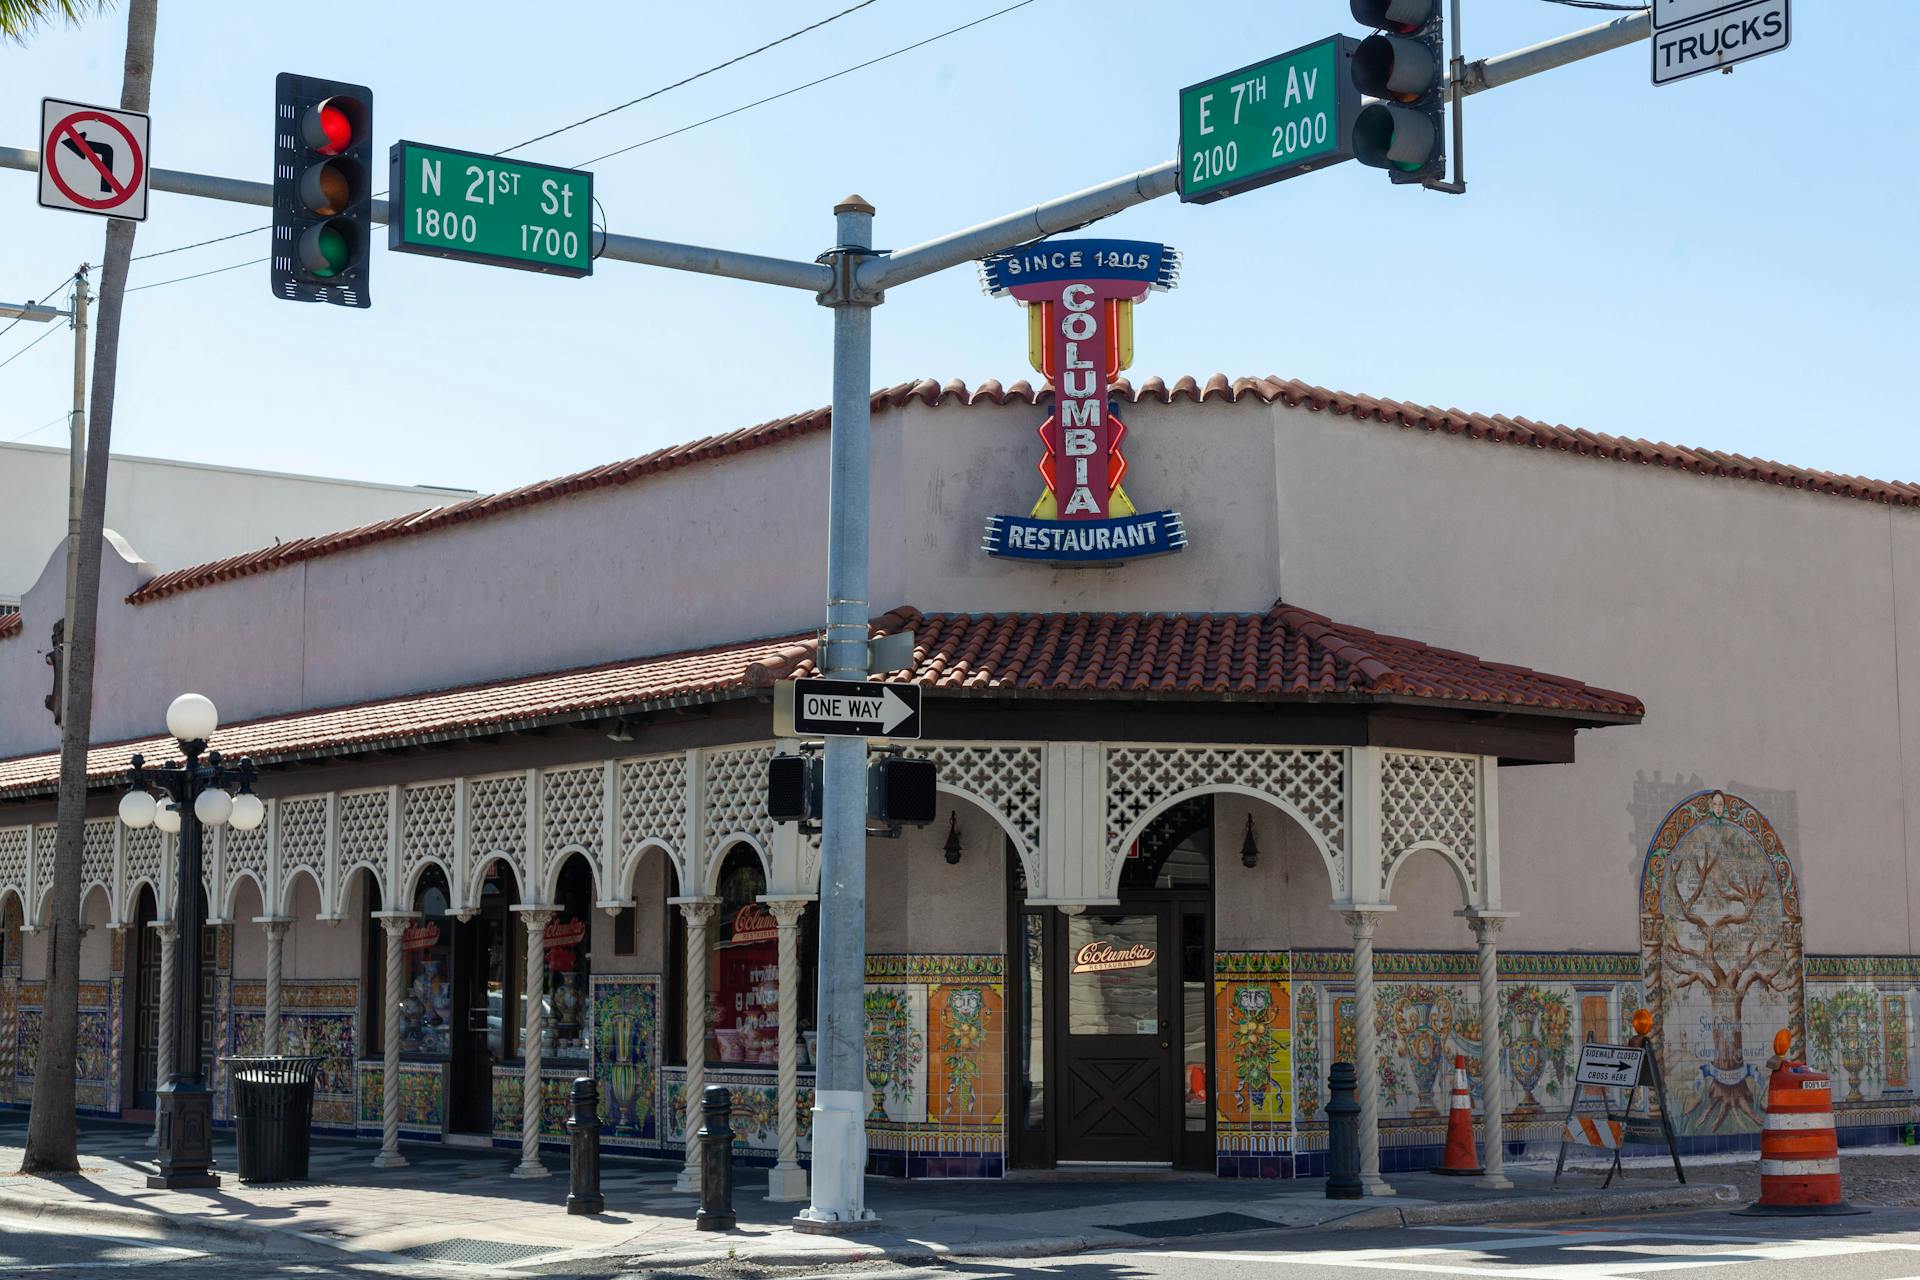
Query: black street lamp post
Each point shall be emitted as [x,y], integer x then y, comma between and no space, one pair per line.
[198,794]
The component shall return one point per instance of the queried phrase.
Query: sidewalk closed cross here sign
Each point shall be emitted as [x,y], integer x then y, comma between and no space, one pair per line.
[93,159]
[1611,1066]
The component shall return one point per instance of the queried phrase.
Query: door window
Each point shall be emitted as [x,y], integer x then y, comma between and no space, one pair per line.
[1113,975]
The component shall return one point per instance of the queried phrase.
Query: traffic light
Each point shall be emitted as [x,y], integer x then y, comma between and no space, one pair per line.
[793,788]
[322,190]
[1404,65]
[902,790]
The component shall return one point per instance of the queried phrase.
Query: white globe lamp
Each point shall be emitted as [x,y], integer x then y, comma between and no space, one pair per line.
[192,718]
[213,807]
[137,809]
[167,818]
[248,812]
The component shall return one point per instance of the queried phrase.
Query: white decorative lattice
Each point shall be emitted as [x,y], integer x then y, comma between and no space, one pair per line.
[570,808]
[1430,800]
[13,860]
[1006,780]
[246,851]
[497,814]
[1311,781]
[144,852]
[303,837]
[735,786]
[653,804]
[426,828]
[96,852]
[360,832]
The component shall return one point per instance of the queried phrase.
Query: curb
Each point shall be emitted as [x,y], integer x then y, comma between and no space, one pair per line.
[253,1236]
[184,1226]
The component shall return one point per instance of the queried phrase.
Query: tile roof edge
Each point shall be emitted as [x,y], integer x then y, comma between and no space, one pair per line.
[1493,429]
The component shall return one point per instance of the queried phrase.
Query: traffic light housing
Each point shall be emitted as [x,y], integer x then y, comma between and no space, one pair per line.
[794,787]
[322,190]
[1403,64]
[902,790]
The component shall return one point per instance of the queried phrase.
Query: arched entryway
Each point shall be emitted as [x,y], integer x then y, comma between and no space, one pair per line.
[1112,1033]
[144,997]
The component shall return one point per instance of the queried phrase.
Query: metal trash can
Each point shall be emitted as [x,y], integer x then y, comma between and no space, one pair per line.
[272,1106]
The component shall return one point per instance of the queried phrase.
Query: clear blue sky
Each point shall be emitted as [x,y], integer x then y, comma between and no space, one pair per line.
[1728,262]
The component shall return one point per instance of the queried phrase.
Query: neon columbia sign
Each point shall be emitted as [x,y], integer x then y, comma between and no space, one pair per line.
[1079,297]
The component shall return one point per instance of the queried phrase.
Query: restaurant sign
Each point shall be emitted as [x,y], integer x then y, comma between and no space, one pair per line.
[1079,297]
[1099,957]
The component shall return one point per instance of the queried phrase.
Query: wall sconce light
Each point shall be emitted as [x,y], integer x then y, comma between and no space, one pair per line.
[1249,847]
[952,845]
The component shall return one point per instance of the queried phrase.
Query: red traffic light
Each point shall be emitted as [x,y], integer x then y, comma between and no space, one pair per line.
[332,126]
[1403,16]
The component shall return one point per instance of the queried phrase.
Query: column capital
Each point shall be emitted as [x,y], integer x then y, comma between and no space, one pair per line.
[274,924]
[1363,918]
[786,912]
[1484,923]
[698,911]
[166,929]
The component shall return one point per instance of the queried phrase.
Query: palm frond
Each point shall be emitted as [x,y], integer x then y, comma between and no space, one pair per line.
[20,18]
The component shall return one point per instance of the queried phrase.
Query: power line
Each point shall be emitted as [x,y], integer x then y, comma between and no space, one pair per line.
[42,427]
[43,297]
[784,93]
[252,262]
[51,330]
[718,66]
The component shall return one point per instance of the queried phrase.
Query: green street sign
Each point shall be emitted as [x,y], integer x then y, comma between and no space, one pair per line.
[480,208]
[1287,115]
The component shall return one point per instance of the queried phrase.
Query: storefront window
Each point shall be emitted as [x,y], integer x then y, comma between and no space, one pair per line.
[1113,975]
[569,944]
[426,951]
[743,974]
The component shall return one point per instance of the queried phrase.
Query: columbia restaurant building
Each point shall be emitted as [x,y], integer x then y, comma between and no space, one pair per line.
[1275,727]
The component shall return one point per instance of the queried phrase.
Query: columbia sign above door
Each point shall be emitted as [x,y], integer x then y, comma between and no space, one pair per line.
[1079,297]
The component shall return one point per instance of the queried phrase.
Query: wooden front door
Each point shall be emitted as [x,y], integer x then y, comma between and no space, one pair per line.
[146,1005]
[1119,1095]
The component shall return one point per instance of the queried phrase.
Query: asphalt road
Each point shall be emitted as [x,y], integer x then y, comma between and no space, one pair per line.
[1882,1245]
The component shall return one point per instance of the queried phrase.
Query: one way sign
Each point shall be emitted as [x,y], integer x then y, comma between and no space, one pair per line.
[845,708]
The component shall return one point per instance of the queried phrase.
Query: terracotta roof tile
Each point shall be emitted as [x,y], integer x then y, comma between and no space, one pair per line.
[1286,653]
[1295,394]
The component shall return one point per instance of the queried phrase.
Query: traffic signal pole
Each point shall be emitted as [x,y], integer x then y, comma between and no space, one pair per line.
[850,280]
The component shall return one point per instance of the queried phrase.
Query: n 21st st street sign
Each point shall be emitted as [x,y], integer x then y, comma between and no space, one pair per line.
[1288,115]
[813,708]
[480,208]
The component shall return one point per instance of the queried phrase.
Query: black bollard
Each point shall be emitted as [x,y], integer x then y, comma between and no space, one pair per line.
[1343,1134]
[583,1164]
[716,1161]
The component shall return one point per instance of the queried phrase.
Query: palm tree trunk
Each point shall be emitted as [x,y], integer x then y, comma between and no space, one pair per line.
[51,1138]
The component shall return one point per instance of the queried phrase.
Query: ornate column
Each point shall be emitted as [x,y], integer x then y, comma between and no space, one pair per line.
[276,927]
[788,1181]
[534,989]
[1486,928]
[1367,1050]
[163,1055]
[699,913]
[394,925]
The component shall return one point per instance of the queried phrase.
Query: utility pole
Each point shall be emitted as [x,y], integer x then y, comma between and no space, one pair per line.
[850,280]
[76,476]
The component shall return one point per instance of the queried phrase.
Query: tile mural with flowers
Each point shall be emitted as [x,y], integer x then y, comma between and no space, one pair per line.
[317,1020]
[756,1108]
[93,1048]
[936,1053]
[423,1098]
[1253,1052]
[626,1057]
[510,1100]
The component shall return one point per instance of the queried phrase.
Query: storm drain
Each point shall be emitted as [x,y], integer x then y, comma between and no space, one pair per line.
[1205,1225]
[476,1252]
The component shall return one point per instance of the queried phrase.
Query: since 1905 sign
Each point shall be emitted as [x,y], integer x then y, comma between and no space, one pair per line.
[1079,297]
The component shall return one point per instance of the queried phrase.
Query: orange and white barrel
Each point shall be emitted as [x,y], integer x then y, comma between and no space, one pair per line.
[1799,1151]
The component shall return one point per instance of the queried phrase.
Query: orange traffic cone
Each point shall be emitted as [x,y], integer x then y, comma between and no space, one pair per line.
[1799,1153]
[1460,1159]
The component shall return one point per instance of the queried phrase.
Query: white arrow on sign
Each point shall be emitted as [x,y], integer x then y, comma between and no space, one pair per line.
[893,711]
[889,709]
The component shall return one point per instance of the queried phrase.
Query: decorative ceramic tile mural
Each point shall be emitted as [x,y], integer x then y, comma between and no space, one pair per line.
[936,1055]
[756,1103]
[1720,948]
[1253,1052]
[423,1098]
[626,1053]
[510,1101]
[1860,1030]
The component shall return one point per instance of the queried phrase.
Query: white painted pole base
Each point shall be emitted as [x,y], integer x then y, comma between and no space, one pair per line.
[839,1166]
[389,1160]
[689,1179]
[787,1184]
[534,1169]
[1375,1185]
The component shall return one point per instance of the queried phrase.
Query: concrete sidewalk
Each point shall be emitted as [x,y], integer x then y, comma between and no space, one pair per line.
[460,1206]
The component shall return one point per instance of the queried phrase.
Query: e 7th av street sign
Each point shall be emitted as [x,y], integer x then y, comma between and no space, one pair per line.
[814,708]
[1288,115]
[480,208]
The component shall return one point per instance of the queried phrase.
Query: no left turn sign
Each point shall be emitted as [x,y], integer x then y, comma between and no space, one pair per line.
[93,159]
